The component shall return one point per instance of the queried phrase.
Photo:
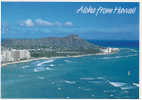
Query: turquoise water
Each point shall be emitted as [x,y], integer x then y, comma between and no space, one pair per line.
[101,76]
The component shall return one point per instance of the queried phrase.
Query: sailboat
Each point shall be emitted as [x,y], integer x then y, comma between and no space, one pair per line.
[129,73]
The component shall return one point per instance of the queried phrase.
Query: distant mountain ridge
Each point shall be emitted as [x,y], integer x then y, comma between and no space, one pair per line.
[71,42]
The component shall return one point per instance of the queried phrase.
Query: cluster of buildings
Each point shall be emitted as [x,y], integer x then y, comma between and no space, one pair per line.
[109,50]
[10,55]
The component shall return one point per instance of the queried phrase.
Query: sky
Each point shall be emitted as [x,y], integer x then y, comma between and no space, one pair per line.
[50,19]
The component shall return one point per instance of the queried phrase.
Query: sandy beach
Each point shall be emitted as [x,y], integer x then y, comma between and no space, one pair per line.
[22,61]
[32,59]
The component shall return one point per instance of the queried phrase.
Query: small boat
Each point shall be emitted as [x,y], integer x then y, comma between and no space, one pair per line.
[129,73]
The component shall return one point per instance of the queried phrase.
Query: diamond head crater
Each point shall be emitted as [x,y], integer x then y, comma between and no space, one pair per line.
[19,50]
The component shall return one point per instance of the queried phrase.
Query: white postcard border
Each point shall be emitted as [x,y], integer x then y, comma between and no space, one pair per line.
[140,38]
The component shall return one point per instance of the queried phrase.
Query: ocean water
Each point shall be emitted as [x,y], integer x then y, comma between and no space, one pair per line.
[89,77]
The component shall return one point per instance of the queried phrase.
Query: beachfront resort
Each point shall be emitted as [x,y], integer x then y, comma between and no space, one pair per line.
[13,55]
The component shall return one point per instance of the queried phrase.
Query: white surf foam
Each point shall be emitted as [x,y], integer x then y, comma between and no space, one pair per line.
[101,78]
[128,49]
[87,78]
[111,57]
[39,69]
[67,61]
[59,88]
[131,55]
[117,57]
[117,84]
[47,68]
[26,66]
[133,50]
[136,84]
[49,61]
[127,87]
[92,95]
[68,97]
[124,86]
[51,65]
[96,80]
[70,82]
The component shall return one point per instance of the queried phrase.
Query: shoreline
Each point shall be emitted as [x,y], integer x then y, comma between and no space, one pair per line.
[22,61]
[40,58]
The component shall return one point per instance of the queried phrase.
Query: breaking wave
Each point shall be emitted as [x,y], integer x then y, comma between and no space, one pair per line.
[117,84]
[51,65]
[124,86]
[129,50]
[87,78]
[101,78]
[117,57]
[70,82]
[136,84]
[26,66]
[67,61]
[127,87]
[39,69]
[47,68]
[49,61]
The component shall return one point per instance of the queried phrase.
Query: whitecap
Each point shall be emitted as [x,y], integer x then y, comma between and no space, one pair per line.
[51,65]
[133,50]
[67,61]
[100,78]
[117,84]
[49,61]
[87,78]
[47,68]
[68,97]
[117,57]
[59,88]
[39,69]
[127,87]
[26,66]
[136,84]
[92,95]
[70,82]
[111,95]
[128,49]
[130,55]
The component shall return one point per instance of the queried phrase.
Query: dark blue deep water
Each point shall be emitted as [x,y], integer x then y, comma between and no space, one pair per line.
[117,43]
[101,76]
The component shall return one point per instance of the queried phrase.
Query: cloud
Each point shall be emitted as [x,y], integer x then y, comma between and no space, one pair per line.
[68,23]
[28,23]
[43,22]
